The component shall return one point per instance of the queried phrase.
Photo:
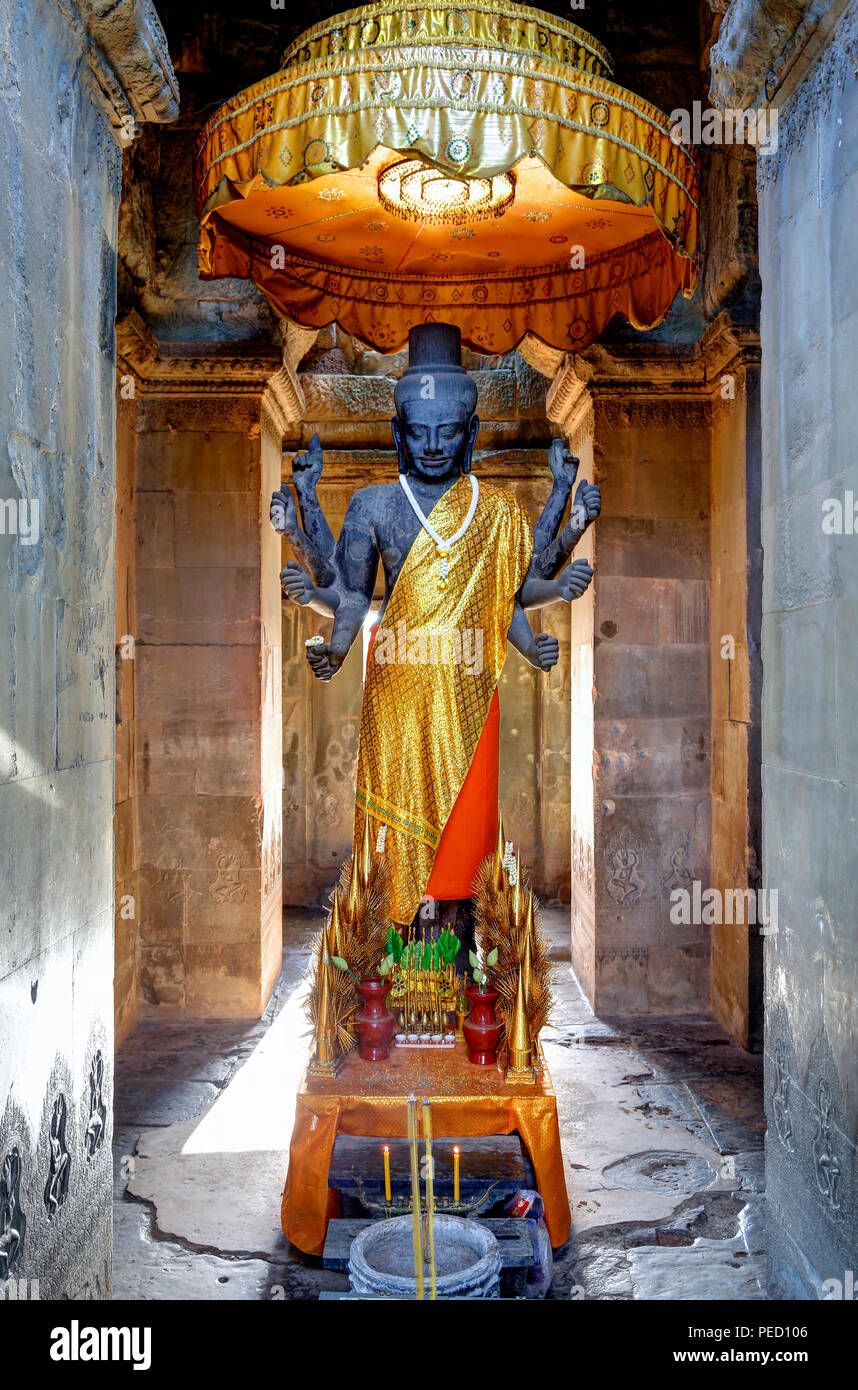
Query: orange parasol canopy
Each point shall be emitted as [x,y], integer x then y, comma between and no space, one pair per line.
[469,163]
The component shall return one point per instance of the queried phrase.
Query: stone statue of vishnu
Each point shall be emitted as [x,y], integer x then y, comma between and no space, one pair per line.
[462,567]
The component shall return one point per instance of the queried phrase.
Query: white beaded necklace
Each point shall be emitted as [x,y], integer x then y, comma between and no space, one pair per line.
[443,547]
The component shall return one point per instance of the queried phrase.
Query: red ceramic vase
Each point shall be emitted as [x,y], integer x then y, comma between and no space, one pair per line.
[481,1029]
[375,1024]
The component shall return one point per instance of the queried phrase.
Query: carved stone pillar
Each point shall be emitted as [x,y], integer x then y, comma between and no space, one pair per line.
[799,58]
[643,417]
[208,669]
[76,82]
[570,405]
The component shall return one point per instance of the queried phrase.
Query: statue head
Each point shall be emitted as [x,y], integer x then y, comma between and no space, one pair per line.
[436,424]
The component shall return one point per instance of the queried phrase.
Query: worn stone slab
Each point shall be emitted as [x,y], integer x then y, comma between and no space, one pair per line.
[706,1270]
[147,1268]
[734,1115]
[224,1201]
[161,1103]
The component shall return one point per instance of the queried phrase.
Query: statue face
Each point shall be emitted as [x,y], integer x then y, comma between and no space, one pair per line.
[437,437]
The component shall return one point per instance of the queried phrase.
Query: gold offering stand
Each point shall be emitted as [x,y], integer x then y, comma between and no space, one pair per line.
[424,996]
[427,996]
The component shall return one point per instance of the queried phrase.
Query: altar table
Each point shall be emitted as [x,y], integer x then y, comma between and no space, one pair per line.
[370,1098]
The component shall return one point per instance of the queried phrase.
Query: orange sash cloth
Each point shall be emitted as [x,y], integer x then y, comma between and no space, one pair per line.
[470,834]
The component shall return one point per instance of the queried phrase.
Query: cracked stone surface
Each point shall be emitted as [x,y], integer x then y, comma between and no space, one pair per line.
[660,1122]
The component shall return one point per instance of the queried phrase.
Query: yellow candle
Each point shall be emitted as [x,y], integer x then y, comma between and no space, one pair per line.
[455,1172]
[386,1173]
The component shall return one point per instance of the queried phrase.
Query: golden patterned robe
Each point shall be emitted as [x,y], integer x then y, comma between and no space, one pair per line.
[421,718]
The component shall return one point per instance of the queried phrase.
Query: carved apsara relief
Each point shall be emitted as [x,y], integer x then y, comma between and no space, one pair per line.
[825,1161]
[13,1221]
[170,882]
[625,882]
[677,874]
[228,886]
[96,1124]
[781,1113]
[57,1185]
[582,861]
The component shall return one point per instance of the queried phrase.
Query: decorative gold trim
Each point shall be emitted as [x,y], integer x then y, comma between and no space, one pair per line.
[386,811]
[519,14]
[614,95]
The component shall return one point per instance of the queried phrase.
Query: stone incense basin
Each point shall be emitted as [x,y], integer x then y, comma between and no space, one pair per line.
[467,1260]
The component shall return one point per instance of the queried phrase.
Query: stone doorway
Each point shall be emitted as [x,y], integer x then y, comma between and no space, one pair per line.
[147,687]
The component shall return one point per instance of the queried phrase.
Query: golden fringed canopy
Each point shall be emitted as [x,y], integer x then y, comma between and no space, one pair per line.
[469,163]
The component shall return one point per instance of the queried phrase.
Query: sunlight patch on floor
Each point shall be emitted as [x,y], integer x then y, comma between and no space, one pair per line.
[256,1110]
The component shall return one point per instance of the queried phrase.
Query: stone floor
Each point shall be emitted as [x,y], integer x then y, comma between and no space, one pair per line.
[660,1120]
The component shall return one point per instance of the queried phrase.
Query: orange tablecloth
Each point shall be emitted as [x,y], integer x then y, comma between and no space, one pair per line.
[369,1098]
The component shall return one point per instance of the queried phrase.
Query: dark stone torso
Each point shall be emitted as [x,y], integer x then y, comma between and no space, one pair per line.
[381,522]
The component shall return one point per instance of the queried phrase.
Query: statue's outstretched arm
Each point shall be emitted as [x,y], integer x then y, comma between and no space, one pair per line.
[564,470]
[299,588]
[541,651]
[571,584]
[284,519]
[356,560]
[547,561]
[306,474]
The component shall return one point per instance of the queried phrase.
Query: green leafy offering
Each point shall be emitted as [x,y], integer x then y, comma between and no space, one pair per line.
[339,964]
[448,946]
[394,945]
[479,969]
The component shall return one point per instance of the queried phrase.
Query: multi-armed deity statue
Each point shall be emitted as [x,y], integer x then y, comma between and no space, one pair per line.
[461,567]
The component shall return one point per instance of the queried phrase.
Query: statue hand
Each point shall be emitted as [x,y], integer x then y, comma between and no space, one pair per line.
[307,468]
[589,496]
[296,583]
[324,661]
[564,466]
[543,651]
[283,512]
[575,579]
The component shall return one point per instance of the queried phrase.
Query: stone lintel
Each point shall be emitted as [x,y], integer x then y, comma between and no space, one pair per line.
[765,48]
[544,359]
[254,373]
[664,379]
[130,73]
[176,369]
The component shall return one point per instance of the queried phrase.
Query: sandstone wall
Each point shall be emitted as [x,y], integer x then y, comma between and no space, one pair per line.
[802,59]
[736,562]
[208,671]
[60,167]
[125,817]
[810,746]
[651,670]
